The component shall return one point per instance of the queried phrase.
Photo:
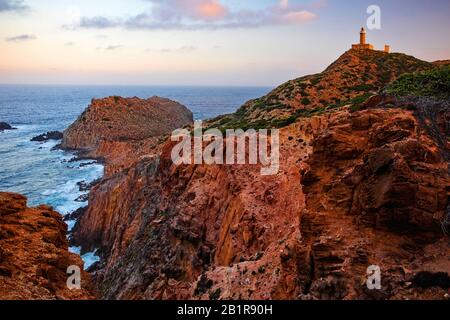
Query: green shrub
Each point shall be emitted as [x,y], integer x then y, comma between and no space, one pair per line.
[302,85]
[362,87]
[434,83]
[305,101]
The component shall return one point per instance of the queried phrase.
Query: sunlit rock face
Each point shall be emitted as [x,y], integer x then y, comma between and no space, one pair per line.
[34,256]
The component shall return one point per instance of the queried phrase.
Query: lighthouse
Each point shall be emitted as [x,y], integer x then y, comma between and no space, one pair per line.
[362,45]
[362,37]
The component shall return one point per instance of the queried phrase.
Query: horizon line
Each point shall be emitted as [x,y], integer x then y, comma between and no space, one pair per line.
[136,85]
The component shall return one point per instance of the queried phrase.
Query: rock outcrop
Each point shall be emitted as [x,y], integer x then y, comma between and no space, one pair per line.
[52,135]
[5,126]
[363,182]
[364,196]
[34,256]
[121,130]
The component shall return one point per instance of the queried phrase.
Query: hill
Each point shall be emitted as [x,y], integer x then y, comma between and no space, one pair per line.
[350,80]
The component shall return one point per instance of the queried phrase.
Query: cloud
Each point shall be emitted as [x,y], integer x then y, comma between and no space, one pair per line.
[195,9]
[113,47]
[12,5]
[203,14]
[98,22]
[187,48]
[21,38]
[183,49]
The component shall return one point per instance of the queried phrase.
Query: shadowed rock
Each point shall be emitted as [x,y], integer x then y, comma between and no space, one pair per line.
[5,126]
[52,135]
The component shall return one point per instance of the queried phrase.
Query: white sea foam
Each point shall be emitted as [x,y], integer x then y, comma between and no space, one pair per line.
[88,258]
[70,225]
[69,207]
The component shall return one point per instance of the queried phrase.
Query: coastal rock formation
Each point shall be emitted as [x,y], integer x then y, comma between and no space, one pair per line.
[363,182]
[52,135]
[34,254]
[120,130]
[5,126]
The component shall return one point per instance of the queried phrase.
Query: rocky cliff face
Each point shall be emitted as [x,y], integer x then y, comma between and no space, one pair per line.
[361,183]
[376,190]
[34,254]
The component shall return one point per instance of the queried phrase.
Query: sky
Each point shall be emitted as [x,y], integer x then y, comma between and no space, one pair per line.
[202,42]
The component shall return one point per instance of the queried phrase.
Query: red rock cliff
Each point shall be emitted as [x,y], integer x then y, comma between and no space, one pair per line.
[34,254]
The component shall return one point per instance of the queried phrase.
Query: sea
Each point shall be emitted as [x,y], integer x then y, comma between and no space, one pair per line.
[46,175]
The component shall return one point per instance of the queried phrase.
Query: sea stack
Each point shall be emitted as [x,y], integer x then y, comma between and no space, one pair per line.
[5,126]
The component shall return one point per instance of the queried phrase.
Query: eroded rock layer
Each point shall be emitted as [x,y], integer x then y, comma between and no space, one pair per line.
[34,256]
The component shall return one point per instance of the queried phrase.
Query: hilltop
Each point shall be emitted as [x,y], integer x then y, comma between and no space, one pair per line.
[350,80]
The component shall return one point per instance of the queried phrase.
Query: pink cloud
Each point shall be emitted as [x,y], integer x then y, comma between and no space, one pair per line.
[193,9]
[211,9]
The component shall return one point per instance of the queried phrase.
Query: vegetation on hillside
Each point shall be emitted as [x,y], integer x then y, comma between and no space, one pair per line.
[240,121]
[348,82]
[433,83]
